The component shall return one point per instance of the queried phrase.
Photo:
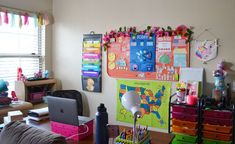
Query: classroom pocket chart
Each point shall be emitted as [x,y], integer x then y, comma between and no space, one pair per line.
[91,62]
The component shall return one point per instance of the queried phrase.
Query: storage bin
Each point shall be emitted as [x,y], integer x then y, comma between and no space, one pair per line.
[184,117]
[217,136]
[217,128]
[183,109]
[218,114]
[192,132]
[218,121]
[188,124]
[36,96]
[175,141]
[186,138]
[210,141]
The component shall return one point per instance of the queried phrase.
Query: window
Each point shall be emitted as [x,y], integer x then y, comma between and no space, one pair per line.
[20,47]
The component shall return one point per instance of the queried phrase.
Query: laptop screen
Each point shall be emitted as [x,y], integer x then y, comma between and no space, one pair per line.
[63,110]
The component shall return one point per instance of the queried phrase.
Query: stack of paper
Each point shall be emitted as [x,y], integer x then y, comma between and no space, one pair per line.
[38,114]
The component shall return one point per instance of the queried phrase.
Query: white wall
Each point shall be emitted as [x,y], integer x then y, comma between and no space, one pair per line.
[35,6]
[74,18]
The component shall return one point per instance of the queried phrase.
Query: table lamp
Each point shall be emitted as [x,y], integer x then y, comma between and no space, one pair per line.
[131,101]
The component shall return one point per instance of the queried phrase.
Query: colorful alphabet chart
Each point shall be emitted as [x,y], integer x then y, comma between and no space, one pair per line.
[91,62]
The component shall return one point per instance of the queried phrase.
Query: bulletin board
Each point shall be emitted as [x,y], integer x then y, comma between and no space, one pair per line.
[155,57]
[154,97]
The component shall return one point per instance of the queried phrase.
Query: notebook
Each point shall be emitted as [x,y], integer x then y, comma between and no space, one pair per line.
[64,110]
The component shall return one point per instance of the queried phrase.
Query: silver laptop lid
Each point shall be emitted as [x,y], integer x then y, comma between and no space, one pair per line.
[63,110]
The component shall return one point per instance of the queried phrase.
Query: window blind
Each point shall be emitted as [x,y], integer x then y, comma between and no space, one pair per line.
[21,47]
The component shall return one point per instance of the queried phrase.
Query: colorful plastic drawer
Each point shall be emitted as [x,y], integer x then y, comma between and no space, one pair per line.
[192,132]
[175,141]
[184,117]
[217,128]
[210,141]
[217,136]
[218,114]
[183,109]
[185,138]
[188,124]
[217,121]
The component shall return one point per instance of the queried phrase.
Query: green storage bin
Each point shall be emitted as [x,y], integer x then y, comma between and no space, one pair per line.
[175,141]
[210,141]
[186,138]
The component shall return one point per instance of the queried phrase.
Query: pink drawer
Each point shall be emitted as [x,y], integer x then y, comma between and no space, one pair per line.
[184,117]
[183,109]
[218,114]
[218,121]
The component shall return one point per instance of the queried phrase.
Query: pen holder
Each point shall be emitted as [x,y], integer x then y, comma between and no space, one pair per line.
[144,140]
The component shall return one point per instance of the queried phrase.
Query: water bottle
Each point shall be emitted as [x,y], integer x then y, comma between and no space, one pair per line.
[101,125]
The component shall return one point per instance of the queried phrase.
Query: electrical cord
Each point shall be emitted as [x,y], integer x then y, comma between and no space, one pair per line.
[87,129]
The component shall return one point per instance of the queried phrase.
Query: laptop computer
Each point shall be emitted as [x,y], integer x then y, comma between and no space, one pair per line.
[64,110]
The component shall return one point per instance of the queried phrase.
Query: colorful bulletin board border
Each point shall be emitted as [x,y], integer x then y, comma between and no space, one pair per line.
[91,62]
[154,98]
[158,57]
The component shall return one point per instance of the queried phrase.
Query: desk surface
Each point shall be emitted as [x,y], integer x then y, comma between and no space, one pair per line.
[156,137]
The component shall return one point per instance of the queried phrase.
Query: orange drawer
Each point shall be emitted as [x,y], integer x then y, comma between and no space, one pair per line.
[188,124]
[217,136]
[184,130]
[217,128]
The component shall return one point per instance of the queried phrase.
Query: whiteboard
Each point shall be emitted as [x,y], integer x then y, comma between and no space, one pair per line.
[191,74]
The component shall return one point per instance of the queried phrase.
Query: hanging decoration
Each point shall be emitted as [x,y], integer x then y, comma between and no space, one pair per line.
[12,20]
[20,20]
[6,20]
[26,18]
[153,54]
[206,50]
[0,18]
[39,19]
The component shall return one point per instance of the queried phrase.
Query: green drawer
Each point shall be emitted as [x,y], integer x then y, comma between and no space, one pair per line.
[210,141]
[186,138]
[175,141]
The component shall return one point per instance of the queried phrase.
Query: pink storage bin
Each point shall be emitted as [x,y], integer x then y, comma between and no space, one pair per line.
[183,109]
[74,132]
[184,117]
[218,114]
[36,96]
[218,121]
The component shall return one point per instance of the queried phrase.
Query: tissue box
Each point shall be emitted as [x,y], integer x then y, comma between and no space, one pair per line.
[15,116]
[73,132]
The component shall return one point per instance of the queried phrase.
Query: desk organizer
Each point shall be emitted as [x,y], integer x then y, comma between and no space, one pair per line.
[145,140]
[72,131]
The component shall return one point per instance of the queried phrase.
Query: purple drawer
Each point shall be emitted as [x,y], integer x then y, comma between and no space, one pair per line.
[185,117]
[218,121]
[183,109]
[218,114]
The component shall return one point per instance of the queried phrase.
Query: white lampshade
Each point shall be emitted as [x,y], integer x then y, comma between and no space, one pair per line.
[131,101]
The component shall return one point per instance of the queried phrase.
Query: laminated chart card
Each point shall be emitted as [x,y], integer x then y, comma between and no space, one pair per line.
[172,53]
[91,62]
[154,97]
